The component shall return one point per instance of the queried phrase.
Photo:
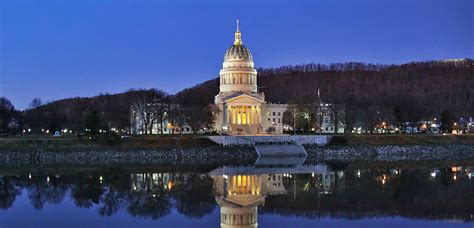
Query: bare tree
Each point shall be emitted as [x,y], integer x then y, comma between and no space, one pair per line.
[141,108]
[7,111]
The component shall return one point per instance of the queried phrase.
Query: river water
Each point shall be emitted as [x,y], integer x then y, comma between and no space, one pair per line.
[420,194]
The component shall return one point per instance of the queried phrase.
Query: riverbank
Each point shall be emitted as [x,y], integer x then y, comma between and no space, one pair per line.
[201,152]
[189,150]
[166,150]
[420,139]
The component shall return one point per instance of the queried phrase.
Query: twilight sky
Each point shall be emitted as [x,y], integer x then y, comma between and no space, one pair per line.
[67,48]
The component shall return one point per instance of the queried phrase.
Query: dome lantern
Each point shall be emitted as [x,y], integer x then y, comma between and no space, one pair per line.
[238,35]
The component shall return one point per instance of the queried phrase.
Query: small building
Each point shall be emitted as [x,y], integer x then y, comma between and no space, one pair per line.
[329,118]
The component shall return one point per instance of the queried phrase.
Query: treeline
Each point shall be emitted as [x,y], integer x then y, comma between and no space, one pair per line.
[104,111]
[191,197]
[394,95]
[413,194]
[315,67]
[108,113]
[365,97]
[366,93]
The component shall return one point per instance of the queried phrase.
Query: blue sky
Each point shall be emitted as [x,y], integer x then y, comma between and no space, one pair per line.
[59,49]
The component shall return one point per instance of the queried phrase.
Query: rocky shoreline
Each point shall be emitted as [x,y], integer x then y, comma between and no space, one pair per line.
[177,156]
[215,155]
[391,153]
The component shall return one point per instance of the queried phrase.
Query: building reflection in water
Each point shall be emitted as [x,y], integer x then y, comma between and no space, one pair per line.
[151,182]
[241,190]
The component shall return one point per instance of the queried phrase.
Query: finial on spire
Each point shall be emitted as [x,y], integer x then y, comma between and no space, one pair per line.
[238,29]
[238,38]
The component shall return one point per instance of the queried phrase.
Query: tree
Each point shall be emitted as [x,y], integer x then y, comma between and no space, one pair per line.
[196,110]
[447,120]
[111,202]
[7,112]
[93,123]
[338,112]
[8,192]
[160,108]
[194,197]
[141,204]
[35,116]
[289,117]
[142,108]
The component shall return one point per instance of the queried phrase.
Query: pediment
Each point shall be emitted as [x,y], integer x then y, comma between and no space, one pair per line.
[244,98]
[246,200]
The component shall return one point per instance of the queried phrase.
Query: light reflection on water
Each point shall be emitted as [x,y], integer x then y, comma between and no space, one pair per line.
[245,196]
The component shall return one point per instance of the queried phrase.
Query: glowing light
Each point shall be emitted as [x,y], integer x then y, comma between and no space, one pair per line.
[454,177]
[170,185]
[358,173]
[47,178]
[433,174]
[29,176]
[383,181]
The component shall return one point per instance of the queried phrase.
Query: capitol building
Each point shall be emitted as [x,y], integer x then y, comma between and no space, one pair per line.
[241,107]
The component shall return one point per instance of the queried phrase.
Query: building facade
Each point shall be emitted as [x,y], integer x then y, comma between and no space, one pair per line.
[146,119]
[242,109]
[329,119]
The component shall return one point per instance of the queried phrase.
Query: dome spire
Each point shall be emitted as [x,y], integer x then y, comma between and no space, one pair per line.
[238,38]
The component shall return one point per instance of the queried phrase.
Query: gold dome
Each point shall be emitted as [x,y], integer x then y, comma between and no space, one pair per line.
[238,51]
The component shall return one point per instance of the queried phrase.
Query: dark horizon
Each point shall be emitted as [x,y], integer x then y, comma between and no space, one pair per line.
[55,50]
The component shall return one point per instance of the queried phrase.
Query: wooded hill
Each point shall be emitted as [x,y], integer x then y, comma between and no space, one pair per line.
[412,91]
[418,89]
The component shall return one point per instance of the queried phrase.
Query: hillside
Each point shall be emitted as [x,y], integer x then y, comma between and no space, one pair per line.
[426,88]
[411,92]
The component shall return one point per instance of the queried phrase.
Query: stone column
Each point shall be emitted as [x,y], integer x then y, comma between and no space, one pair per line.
[224,110]
[247,112]
[259,115]
[233,115]
[248,184]
[253,114]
